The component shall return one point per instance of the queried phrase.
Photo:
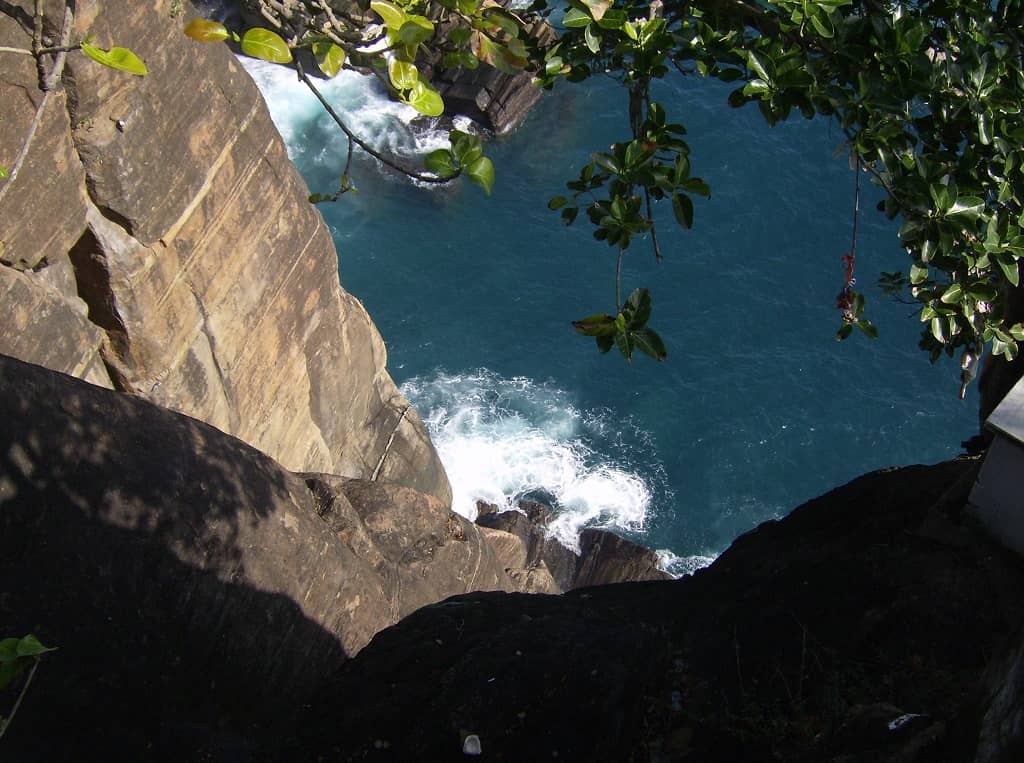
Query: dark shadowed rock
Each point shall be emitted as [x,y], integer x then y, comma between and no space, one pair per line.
[194,587]
[803,642]
[1002,724]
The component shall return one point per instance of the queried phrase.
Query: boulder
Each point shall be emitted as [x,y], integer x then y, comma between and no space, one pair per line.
[604,556]
[560,561]
[607,558]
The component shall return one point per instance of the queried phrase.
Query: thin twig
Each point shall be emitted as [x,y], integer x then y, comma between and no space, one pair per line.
[618,279]
[46,85]
[422,177]
[37,43]
[856,210]
[36,120]
[21,696]
[654,230]
[63,49]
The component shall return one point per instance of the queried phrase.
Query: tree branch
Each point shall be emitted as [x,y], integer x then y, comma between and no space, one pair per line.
[422,177]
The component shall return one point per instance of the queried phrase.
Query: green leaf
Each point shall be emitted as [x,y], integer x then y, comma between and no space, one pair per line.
[9,650]
[824,26]
[939,329]
[30,646]
[868,329]
[460,35]
[918,275]
[967,207]
[403,75]
[502,19]
[681,169]
[553,66]
[592,38]
[1010,270]
[985,127]
[481,172]
[624,341]
[600,324]
[329,57]
[613,19]
[635,154]
[206,31]
[844,331]
[757,66]
[391,14]
[941,196]
[117,58]
[983,292]
[440,162]
[3,172]
[638,308]
[756,87]
[597,7]
[266,45]
[11,670]
[648,342]
[608,163]
[928,249]
[426,100]
[415,30]
[697,186]
[557,202]
[682,208]
[953,294]
[465,146]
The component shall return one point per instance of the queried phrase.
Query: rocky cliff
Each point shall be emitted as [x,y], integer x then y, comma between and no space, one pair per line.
[157,240]
[210,605]
[210,602]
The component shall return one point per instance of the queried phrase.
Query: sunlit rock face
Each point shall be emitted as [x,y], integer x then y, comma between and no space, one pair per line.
[157,240]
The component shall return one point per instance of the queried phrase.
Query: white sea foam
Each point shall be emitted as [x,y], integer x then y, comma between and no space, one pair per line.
[678,566]
[503,439]
[312,136]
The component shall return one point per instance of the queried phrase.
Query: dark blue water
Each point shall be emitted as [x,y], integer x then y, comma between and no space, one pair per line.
[757,408]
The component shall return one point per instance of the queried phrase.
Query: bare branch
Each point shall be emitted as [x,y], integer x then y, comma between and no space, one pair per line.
[422,177]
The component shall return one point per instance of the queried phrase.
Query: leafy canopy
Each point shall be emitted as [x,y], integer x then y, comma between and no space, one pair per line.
[928,95]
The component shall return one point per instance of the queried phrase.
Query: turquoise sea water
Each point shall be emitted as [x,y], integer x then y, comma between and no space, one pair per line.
[757,408]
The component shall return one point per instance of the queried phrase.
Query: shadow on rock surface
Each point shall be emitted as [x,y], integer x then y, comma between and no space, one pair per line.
[153,551]
[874,602]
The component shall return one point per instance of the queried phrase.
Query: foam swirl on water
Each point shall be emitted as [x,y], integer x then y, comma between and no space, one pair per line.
[503,439]
[678,566]
[312,136]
